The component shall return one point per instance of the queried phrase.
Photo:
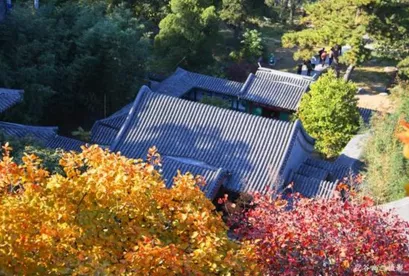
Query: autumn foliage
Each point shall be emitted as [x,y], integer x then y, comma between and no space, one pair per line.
[404,138]
[323,237]
[107,214]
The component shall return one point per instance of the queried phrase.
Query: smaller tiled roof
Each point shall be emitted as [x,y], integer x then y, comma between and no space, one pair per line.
[9,97]
[39,134]
[182,81]
[366,114]
[104,131]
[65,143]
[276,88]
[312,187]
[336,170]
[319,178]
[213,177]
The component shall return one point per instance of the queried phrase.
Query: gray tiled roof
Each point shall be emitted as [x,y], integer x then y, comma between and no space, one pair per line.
[319,178]
[9,97]
[270,87]
[65,143]
[104,131]
[182,81]
[313,187]
[336,170]
[366,114]
[39,134]
[247,146]
[213,176]
[275,88]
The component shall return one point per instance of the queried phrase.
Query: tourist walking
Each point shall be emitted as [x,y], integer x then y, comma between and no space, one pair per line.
[323,57]
[331,56]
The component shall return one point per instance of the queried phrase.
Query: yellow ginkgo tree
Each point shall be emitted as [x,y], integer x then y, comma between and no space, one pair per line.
[107,214]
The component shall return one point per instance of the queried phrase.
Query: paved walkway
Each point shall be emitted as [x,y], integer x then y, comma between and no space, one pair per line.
[400,207]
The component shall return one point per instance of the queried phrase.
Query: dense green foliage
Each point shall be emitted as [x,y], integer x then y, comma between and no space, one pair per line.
[233,12]
[330,114]
[347,22]
[342,22]
[216,101]
[387,170]
[73,61]
[187,35]
[251,46]
[29,146]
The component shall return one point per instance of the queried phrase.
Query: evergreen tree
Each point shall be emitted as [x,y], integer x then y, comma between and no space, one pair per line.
[187,35]
[234,14]
[74,61]
[328,23]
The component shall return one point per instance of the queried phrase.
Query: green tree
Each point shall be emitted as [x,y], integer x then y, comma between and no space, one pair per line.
[234,14]
[390,28]
[328,22]
[285,9]
[330,114]
[74,61]
[216,101]
[251,46]
[187,35]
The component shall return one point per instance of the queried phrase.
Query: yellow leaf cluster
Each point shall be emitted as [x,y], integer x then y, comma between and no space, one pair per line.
[110,215]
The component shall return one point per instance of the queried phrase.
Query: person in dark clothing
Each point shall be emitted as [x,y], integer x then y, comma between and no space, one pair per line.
[299,69]
[309,67]
[320,52]
[338,50]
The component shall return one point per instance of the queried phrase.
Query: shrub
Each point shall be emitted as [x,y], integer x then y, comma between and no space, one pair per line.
[323,237]
[251,46]
[386,168]
[330,114]
[216,101]
[110,215]
[22,146]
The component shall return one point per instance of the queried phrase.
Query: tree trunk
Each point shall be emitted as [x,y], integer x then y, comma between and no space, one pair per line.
[284,7]
[349,71]
[36,4]
[293,7]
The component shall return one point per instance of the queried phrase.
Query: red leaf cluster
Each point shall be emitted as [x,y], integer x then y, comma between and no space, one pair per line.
[324,237]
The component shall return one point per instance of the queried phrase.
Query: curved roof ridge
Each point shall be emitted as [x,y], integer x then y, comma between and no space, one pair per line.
[144,90]
[278,72]
[50,128]
[193,161]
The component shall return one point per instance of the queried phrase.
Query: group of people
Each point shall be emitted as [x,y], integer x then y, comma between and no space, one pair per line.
[332,55]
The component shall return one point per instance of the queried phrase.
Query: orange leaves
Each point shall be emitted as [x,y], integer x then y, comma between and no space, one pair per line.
[404,138]
[110,215]
[404,135]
